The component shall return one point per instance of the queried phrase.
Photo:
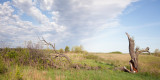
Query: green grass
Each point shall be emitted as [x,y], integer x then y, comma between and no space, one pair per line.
[30,73]
[96,75]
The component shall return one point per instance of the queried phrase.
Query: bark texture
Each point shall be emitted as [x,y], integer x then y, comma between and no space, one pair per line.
[134,55]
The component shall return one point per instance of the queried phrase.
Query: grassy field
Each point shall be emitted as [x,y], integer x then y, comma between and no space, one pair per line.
[147,63]
[149,69]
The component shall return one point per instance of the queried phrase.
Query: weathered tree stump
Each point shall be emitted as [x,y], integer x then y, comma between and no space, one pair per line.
[134,55]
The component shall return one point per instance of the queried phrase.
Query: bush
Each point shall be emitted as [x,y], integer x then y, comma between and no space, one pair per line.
[24,56]
[11,54]
[157,52]
[33,55]
[61,50]
[67,49]
[116,52]
[77,49]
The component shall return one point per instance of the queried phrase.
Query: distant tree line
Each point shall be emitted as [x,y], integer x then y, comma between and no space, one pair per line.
[74,49]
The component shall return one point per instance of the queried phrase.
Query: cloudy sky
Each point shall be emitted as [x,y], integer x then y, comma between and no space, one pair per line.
[98,25]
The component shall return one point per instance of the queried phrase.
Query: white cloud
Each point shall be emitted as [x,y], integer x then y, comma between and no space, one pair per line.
[83,18]
[55,16]
[106,8]
[33,11]
[5,10]
[46,4]
[27,6]
[12,27]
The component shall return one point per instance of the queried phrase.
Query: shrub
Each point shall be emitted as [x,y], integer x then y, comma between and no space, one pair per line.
[116,52]
[11,54]
[24,56]
[67,49]
[61,50]
[157,52]
[77,49]
[33,55]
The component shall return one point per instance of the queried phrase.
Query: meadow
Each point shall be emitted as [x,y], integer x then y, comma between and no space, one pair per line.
[96,66]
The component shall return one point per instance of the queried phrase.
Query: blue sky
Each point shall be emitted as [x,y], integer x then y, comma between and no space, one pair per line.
[98,25]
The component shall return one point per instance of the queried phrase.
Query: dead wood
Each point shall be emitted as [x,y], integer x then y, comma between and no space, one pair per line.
[134,55]
[79,66]
[58,55]
[143,50]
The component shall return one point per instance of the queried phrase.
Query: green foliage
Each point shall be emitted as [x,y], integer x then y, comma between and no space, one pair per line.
[25,56]
[18,74]
[61,50]
[116,52]
[3,68]
[67,49]
[11,54]
[77,49]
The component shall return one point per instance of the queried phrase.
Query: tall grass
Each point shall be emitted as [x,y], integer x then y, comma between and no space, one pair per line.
[3,68]
[148,64]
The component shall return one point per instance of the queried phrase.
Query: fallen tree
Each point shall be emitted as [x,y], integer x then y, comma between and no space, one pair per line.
[60,59]
[134,55]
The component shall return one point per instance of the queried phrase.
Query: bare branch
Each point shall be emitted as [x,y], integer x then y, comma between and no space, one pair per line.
[53,46]
[143,50]
[47,43]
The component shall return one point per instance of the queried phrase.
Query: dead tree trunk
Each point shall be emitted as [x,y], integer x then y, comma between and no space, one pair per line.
[134,55]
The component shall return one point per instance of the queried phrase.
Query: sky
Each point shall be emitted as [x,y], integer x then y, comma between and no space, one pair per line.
[97,25]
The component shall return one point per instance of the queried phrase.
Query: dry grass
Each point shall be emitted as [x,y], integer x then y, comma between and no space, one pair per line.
[60,77]
[116,59]
[76,57]
[34,74]
[147,63]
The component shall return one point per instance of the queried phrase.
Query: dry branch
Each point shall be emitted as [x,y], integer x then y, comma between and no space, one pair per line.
[57,53]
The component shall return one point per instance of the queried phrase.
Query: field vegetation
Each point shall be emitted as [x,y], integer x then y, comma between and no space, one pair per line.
[35,63]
